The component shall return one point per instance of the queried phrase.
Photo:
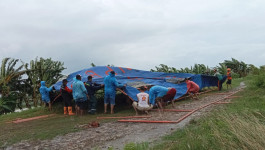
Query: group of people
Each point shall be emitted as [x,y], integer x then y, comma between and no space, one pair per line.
[160,95]
[221,79]
[84,94]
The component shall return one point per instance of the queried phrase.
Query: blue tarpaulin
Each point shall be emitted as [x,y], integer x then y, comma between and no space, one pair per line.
[135,78]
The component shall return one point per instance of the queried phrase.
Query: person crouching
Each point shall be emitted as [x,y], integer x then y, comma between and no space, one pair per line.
[143,102]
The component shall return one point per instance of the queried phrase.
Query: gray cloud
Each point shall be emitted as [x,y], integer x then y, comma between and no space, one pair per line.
[137,34]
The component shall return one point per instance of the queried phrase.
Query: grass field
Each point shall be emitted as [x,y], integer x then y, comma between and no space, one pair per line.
[46,128]
[236,126]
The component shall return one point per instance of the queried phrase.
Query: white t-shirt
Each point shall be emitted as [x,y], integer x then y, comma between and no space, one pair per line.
[143,99]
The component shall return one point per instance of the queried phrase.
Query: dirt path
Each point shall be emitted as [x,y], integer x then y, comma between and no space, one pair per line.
[117,134]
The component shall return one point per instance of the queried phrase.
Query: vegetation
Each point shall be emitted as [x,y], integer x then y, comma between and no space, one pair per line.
[47,128]
[26,89]
[239,68]
[19,82]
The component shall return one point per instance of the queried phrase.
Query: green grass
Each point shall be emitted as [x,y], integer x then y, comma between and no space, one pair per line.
[240,125]
[46,128]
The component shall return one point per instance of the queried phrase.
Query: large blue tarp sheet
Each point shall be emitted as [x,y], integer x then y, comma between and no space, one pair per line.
[135,78]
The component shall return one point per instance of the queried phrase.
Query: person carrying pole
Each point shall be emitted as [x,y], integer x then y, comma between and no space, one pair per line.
[110,83]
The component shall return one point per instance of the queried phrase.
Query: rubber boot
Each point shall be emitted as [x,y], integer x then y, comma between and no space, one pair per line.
[65,111]
[70,112]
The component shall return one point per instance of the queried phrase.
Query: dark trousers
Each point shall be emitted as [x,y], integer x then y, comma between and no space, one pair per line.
[220,85]
[92,105]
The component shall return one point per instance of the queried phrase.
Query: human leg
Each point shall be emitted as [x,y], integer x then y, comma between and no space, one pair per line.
[134,104]
[50,106]
[112,109]
[106,102]
[93,104]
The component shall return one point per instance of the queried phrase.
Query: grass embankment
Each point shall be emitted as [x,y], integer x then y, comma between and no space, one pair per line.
[240,125]
[45,128]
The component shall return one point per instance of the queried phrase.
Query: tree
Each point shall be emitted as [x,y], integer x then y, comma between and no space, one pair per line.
[8,73]
[42,70]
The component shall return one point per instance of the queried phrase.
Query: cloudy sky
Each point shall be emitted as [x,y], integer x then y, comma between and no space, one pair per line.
[140,34]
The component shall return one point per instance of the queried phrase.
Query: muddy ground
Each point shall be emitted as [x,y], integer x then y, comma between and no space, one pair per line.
[116,135]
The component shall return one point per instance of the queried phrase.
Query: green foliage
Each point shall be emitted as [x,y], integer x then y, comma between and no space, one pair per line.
[259,80]
[196,69]
[42,70]
[8,103]
[9,74]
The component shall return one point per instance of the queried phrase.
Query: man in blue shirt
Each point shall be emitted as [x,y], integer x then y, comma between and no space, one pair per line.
[160,94]
[80,95]
[111,84]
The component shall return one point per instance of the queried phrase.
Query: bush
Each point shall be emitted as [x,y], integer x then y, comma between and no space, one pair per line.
[8,103]
[259,80]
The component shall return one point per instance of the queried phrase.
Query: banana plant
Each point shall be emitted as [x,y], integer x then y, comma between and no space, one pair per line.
[8,73]
[43,70]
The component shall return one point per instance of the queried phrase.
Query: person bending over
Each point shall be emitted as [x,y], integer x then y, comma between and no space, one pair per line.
[192,89]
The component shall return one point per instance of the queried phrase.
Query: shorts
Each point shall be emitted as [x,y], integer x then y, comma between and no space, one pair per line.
[81,104]
[229,81]
[109,99]
[46,101]
[170,95]
[135,104]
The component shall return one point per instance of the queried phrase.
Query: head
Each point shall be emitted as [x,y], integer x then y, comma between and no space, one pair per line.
[89,78]
[148,87]
[228,70]
[214,70]
[42,83]
[187,79]
[65,81]
[142,88]
[112,73]
[78,77]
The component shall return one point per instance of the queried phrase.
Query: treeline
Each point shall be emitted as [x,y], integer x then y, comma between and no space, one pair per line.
[239,68]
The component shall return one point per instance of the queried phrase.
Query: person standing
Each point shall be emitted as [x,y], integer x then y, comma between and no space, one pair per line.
[67,98]
[110,83]
[80,95]
[91,90]
[229,78]
[220,79]
[45,94]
